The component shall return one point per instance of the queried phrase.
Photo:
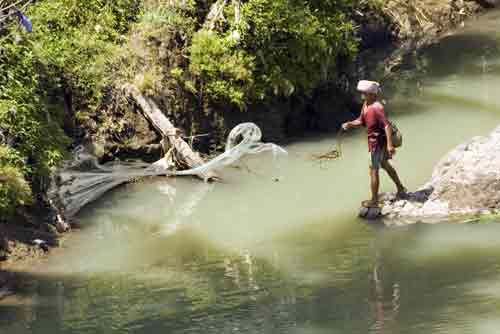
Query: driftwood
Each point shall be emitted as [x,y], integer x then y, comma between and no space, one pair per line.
[180,152]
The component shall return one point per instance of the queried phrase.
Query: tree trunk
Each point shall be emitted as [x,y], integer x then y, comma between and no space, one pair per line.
[184,155]
[216,12]
[237,11]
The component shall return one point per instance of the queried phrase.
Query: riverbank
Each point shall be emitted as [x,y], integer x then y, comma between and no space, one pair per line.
[19,254]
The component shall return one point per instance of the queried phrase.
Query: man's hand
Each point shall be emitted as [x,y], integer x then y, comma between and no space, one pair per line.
[352,125]
[391,150]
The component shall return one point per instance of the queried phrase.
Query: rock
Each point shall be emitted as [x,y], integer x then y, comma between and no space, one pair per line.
[492,3]
[50,228]
[370,213]
[400,204]
[42,244]
[387,210]
[61,225]
[5,292]
[469,176]
[4,245]
[465,182]
[97,147]
[408,209]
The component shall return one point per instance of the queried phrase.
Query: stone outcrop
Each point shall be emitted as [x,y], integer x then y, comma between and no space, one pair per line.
[420,20]
[490,3]
[466,182]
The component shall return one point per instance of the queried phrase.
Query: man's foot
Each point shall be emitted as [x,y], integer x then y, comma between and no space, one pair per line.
[402,193]
[370,204]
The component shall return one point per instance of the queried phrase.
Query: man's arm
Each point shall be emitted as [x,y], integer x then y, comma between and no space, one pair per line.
[388,133]
[352,124]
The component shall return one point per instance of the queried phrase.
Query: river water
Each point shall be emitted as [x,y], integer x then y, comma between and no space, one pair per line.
[277,248]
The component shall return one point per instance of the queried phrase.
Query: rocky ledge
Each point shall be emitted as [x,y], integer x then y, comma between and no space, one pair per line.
[465,183]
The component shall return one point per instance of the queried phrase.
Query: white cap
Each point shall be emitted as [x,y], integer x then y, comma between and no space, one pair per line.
[368,87]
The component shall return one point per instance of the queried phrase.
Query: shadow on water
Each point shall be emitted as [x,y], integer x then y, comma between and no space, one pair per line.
[459,53]
[472,53]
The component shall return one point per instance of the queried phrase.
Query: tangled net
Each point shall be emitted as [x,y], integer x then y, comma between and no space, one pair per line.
[84,180]
[332,155]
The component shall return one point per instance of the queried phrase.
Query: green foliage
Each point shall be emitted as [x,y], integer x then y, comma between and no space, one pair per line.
[297,42]
[14,190]
[153,44]
[23,114]
[66,55]
[224,71]
[74,39]
[167,14]
[280,47]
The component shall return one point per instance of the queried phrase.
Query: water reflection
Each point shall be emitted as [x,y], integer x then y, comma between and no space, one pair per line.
[182,210]
[385,304]
[361,280]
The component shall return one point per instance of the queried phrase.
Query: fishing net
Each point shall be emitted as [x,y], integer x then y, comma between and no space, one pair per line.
[332,155]
[244,139]
[84,180]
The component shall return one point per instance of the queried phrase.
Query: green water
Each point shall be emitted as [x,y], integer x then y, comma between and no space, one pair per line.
[252,255]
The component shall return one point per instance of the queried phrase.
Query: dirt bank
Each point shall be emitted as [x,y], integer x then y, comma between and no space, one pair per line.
[18,252]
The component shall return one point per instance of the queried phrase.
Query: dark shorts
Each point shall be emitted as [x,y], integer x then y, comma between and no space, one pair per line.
[378,157]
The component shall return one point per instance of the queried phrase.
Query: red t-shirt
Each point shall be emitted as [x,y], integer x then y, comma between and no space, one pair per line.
[373,118]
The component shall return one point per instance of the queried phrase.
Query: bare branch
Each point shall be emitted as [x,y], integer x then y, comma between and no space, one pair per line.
[216,13]
[237,11]
[9,8]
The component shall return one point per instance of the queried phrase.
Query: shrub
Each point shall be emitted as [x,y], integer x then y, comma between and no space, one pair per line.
[285,47]
[224,72]
[61,64]
[14,190]
[74,39]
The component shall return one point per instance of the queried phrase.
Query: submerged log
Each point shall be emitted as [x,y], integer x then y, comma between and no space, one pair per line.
[183,155]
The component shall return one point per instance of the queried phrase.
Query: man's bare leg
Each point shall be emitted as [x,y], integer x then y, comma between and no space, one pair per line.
[386,165]
[374,183]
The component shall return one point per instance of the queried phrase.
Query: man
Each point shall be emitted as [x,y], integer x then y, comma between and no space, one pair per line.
[379,139]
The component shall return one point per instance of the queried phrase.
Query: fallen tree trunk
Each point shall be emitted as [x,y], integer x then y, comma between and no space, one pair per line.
[183,154]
